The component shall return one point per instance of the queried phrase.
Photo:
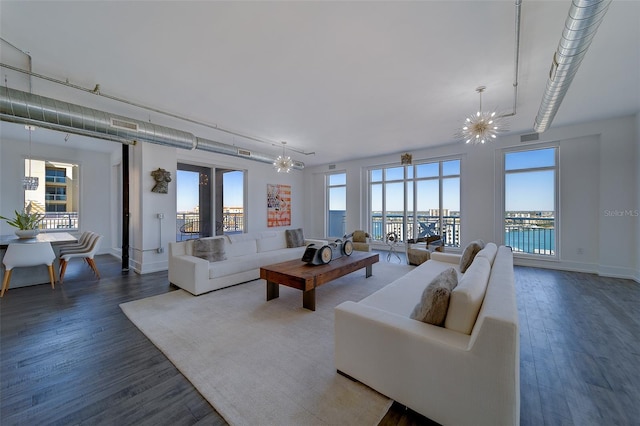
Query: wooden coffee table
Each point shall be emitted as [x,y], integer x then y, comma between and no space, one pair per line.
[305,277]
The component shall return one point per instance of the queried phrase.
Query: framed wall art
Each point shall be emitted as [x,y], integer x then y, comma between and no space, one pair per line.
[278,205]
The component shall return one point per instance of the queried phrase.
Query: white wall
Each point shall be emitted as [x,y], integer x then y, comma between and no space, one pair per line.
[145,205]
[598,177]
[95,184]
[638,200]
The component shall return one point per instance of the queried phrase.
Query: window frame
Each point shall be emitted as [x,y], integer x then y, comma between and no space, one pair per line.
[410,174]
[55,220]
[327,192]
[501,225]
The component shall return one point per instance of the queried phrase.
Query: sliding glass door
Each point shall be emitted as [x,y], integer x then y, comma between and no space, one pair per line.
[194,218]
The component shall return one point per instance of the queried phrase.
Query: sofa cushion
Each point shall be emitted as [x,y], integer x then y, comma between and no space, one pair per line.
[241,245]
[466,299]
[401,295]
[489,252]
[469,254]
[432,308]
[211,249]
[232,266]
[271,240]
[281,255]
[294,237]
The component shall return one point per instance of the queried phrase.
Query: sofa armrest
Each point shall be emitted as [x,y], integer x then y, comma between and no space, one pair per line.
[446,257]
[428,368]
[187,271]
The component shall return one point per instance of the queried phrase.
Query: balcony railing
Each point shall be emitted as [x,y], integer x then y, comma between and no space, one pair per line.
[427,226]
[60,220]
[532,235]
[189,226]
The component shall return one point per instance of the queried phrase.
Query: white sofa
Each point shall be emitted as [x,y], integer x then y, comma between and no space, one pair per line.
[245,254]
[465,373]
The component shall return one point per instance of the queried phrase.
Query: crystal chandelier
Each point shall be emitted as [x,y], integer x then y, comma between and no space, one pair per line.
[482,126]
[283,163]
[30,183]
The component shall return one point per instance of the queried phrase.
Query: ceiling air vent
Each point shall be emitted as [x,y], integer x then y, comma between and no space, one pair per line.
[332,166]
[298,164]
[530,137]
[125,125]
[244,152]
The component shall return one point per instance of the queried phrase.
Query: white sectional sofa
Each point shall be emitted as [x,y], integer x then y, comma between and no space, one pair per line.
[464,373]
[242,254]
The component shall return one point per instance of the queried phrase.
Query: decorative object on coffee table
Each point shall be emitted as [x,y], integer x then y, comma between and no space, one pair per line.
[314,255]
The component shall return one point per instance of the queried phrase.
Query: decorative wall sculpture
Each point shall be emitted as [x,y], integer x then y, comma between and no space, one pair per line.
[162,178]
[278,205]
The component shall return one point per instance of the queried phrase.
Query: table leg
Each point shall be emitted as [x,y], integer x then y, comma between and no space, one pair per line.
[369,272]
[273,290]
[309,299]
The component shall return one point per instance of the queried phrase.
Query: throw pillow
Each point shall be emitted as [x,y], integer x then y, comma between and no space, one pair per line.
[295,238]
[470,253]
[211,249]
[434,303]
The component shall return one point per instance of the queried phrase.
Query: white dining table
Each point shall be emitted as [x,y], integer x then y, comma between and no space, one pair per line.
[33,275]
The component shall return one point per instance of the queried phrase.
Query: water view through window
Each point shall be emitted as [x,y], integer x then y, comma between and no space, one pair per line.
[530,206]
[416,201]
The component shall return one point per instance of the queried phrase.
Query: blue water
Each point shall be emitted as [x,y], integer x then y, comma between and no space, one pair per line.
[536,240]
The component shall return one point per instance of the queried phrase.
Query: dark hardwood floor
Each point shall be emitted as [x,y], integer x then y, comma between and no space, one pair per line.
[70,356]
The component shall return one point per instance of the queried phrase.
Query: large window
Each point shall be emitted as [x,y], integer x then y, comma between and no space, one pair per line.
[209,201]
[57,195]
[336,204]
[530,182]
[416,201]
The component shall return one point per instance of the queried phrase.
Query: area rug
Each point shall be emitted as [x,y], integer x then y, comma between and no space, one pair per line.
[265,363]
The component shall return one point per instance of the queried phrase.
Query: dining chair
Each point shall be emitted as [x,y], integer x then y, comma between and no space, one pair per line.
[27,254]
[80,244]
[87,254]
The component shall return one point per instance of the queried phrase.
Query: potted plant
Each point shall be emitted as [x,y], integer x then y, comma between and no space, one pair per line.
[27,222]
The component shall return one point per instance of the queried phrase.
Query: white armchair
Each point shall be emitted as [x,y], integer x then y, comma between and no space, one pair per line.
[27,254]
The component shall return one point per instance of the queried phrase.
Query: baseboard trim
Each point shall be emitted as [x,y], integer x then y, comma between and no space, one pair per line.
[588,268]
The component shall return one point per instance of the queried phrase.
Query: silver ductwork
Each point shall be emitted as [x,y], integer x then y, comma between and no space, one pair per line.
[21,107]
[581,25]
[222,148]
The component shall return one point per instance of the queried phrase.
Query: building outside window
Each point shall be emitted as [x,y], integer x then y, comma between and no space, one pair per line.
[530,188]
[416,201]
[57,195]
[336,184]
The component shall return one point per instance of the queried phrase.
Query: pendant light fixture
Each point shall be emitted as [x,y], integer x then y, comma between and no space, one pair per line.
[30,183]
[482,126]
[283,163]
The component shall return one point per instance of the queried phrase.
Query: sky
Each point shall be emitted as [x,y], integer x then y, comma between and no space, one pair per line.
[187,190]
[532,190]
[525,190]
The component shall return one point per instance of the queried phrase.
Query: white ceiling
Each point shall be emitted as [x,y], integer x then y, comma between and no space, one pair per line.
[344,80]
